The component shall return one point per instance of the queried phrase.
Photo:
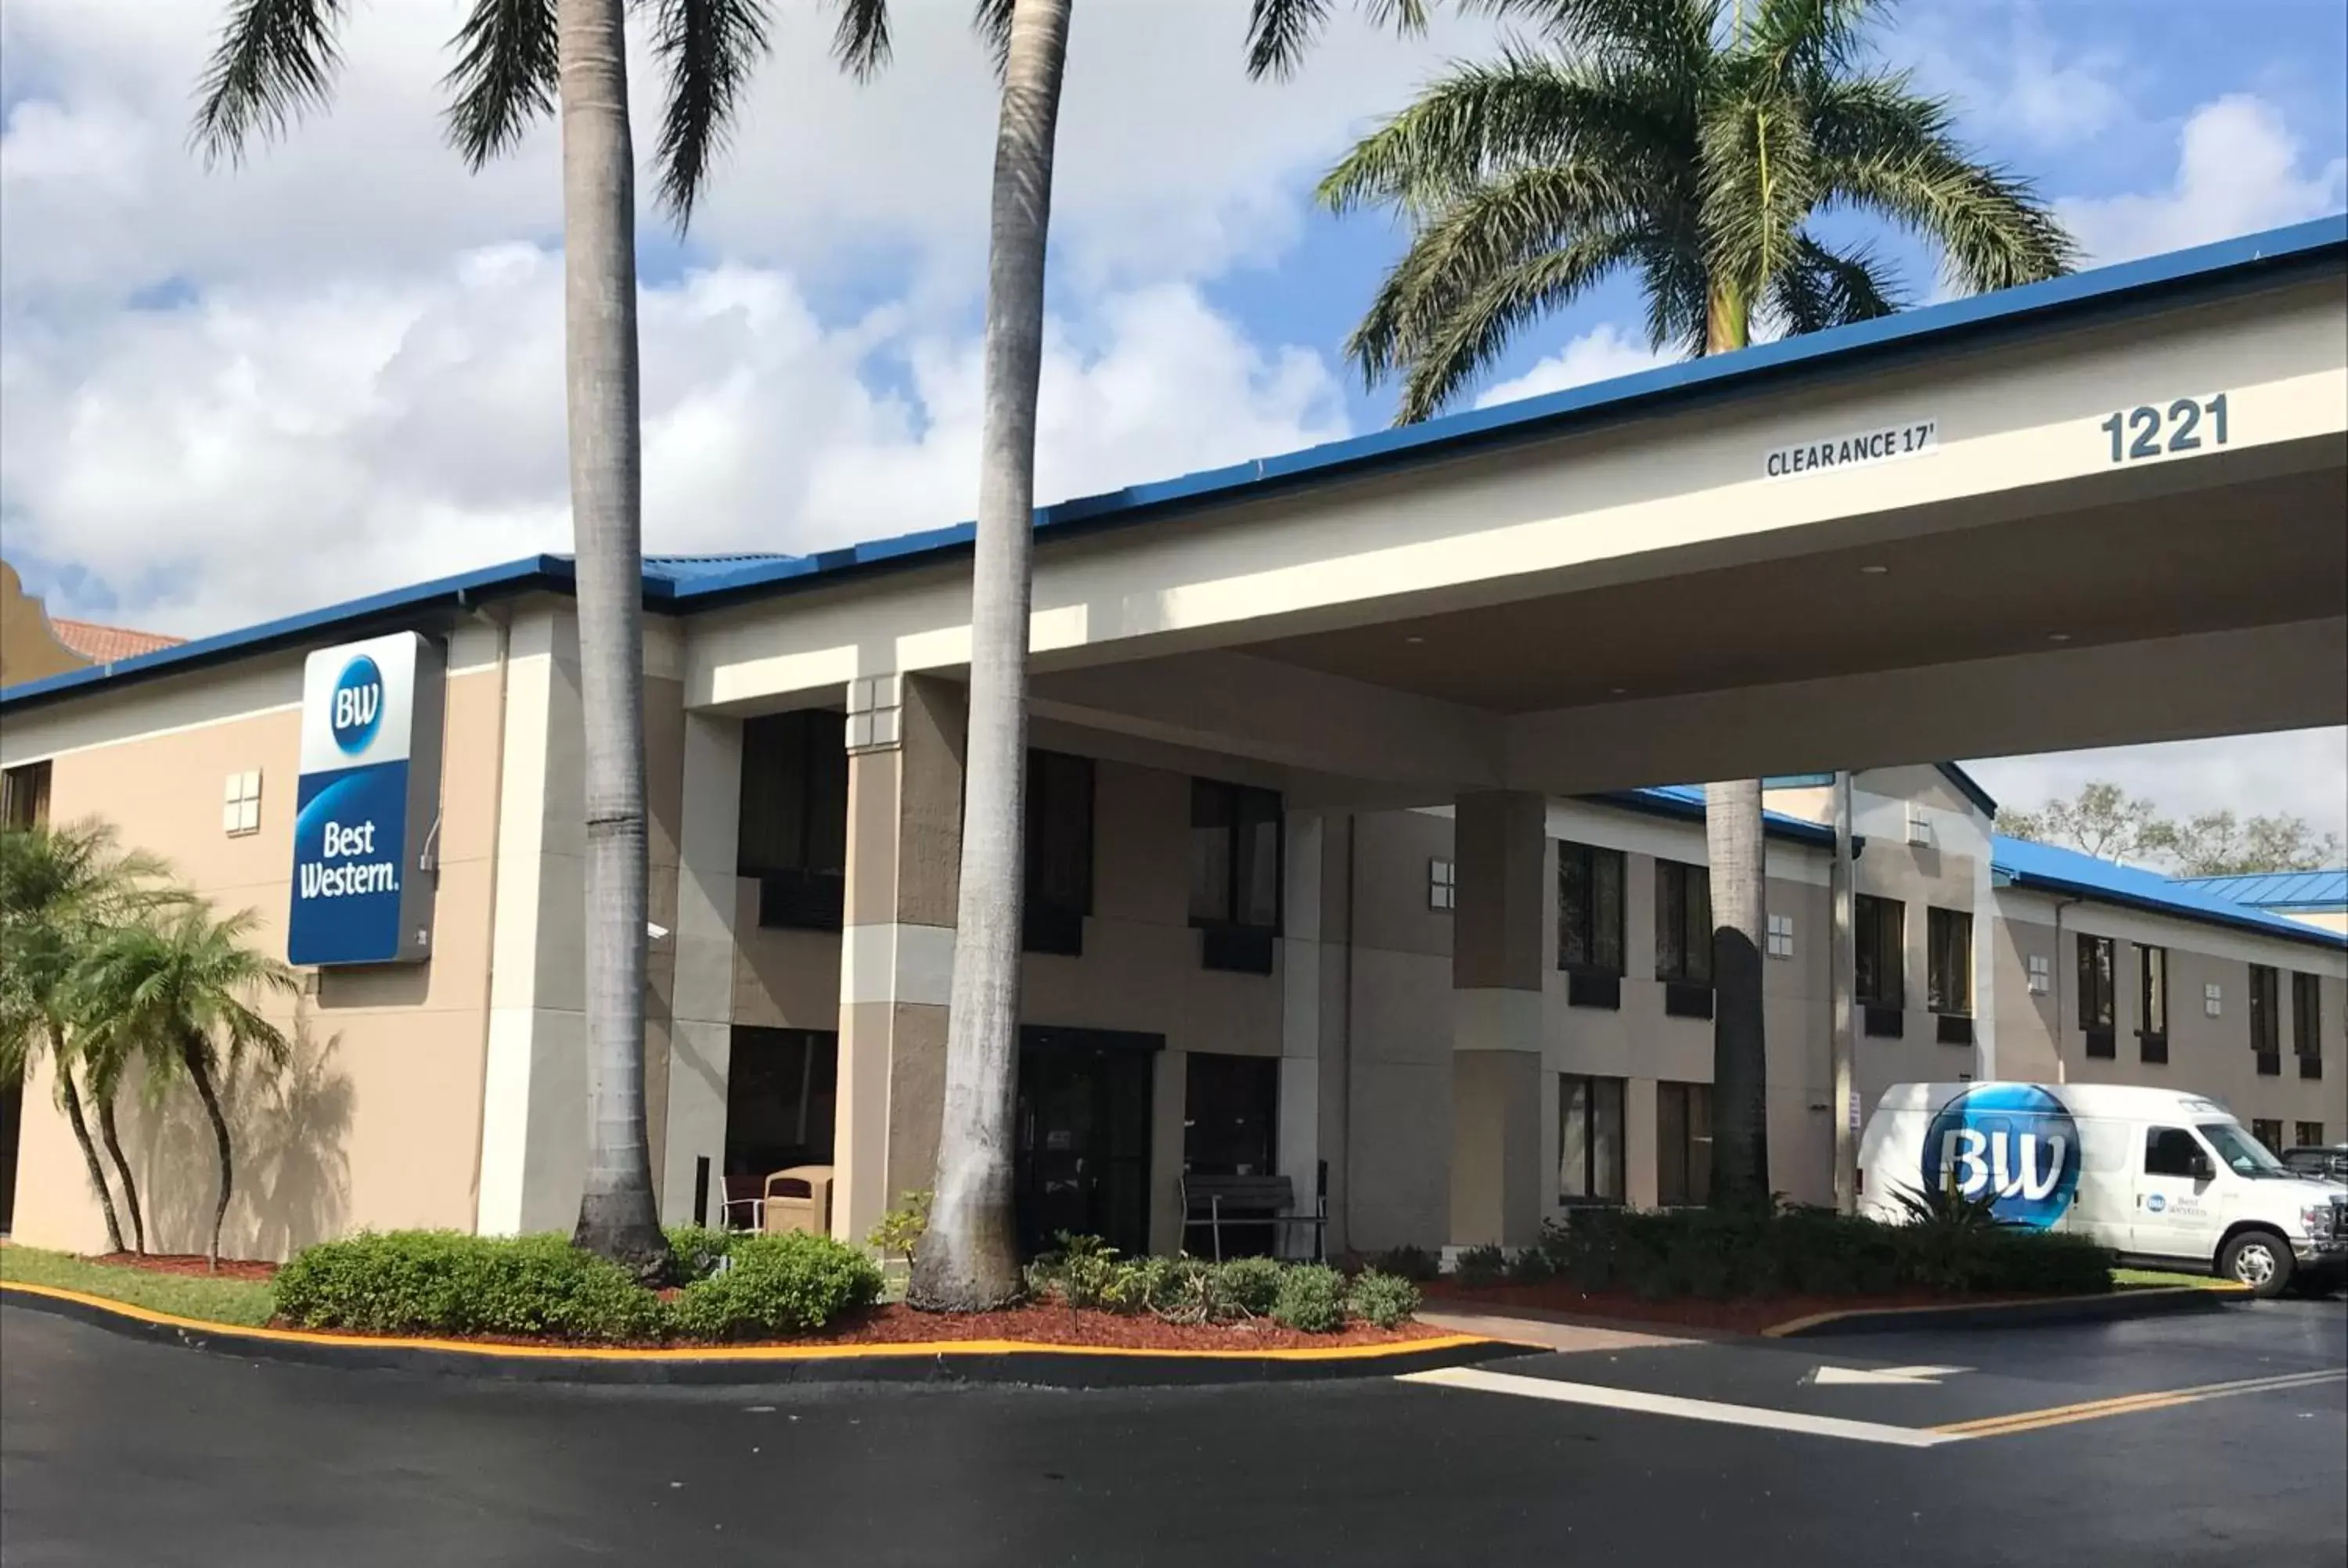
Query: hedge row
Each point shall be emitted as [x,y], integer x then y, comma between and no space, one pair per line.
[1309,1296]
[1795,1251]
[444,1282]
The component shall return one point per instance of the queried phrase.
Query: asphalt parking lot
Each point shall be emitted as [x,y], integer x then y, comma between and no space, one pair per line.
[2205,1438]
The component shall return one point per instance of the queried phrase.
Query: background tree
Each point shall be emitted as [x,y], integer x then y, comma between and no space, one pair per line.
[2103,820]
[62,889]
[2215,845]
[1692,150]
[177,992]
[518,60]
[969,1259]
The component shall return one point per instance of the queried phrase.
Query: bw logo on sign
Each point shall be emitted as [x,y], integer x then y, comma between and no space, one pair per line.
[358,705]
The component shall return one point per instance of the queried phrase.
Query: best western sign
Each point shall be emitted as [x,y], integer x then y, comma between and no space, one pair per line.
[368,799]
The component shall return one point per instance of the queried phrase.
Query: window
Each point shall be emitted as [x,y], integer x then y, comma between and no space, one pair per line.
[2152,1002]
[2041,972]
[781,1086]
[1235,849]
[2213,999]
[1881,933]
[1949,963]
[1920,828]
[2268,1132]
[1059,851]
[2097,1004]
[2266,1024]
[1589,1140]
[1231,1114]
[1683,923]
[24,795]
[240,805]
[1590,909]
[794,823]
[1442,885]
[2309,1133]
[1683,1143]
[2170,1152]
[1781,936]
[2307,1024]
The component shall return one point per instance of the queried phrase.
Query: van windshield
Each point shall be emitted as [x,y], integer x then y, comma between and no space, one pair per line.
[2243,1154]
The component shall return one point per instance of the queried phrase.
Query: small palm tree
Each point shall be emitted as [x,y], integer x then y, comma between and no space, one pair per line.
[516,61]
[1692,149]
[62,890]
[177,992]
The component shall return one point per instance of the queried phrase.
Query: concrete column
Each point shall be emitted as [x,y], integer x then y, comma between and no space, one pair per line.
[1498,964]
[702,992]
[896,950]
[1301,959]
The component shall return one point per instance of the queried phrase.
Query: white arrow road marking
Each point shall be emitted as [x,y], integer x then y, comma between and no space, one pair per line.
[1634,1399]
[1905,1376]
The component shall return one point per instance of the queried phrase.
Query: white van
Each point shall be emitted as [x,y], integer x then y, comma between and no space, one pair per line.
[2166,1179]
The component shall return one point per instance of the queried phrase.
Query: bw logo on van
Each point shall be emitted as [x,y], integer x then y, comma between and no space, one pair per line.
[369,791]
[2015,1141]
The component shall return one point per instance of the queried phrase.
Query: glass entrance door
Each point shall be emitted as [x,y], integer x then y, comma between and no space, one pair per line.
[1082,1157]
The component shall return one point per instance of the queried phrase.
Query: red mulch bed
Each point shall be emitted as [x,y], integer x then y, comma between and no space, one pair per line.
[187,1263]
[1749,1314]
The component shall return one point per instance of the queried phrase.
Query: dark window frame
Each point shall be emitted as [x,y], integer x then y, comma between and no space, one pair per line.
[2266,1019]
[1593,1088]
[24,795]
[1582,873]
[1690,1183]
[794,772]
[2152,1002]
[1879,951]
[2306,1015]
[2268,1129]
[1949,936]
[1683,920]
[1228,943]
[2097,964]
[2307,1134]
[1061,792]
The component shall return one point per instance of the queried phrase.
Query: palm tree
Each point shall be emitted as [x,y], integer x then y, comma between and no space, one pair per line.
[969,1260]
[1664,138]
[176,990]
[518,60]
[62,889]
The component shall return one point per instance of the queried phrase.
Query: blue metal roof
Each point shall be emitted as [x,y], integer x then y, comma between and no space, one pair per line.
[679,583]
[2021,864]
[1687,800]
[2304,890]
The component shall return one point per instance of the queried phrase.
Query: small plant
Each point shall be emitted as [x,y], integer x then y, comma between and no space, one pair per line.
[774,1284]
[1478,1267]
[1530,1265]
[900,1231]
[1407,1261]
[1248,1287]
[698,1250]
[1384,1300]
[1085,1271]
[1312,1298]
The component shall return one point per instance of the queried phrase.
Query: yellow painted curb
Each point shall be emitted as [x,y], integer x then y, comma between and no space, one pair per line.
[1794,1326]
[753,1353]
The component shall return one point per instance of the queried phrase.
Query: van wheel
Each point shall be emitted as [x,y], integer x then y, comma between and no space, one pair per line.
[2259,1260]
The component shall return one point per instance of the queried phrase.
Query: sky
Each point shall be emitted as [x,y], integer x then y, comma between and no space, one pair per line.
[239,391]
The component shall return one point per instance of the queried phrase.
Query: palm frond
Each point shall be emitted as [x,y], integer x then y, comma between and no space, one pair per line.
[1822,288]
[1760,182]
[1674,285]
[1280,31]
[991,20]
[707,49]
[1818,39]
[1479,121]
[860,42]
[1676,36]
[1473,335]
[504,77]
[274,61]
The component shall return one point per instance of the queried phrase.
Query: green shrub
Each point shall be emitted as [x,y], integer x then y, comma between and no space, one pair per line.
[900,1231]
[776,1285]
[1248,1286]
[1085,1270]
[1384,1299]
[1476,1266]
[1407,1261]
[444,1282]
[1531,1265]
[1312,1298]
[697,1249]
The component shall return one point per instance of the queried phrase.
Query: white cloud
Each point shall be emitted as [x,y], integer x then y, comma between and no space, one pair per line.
[1600,353]
[2239,170]
[262,451]
[2300,773]
[2016,78]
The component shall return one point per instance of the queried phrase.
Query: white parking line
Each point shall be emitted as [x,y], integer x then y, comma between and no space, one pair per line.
[1477,1379]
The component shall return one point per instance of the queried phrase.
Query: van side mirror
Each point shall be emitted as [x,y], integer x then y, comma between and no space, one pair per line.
[2203,1171]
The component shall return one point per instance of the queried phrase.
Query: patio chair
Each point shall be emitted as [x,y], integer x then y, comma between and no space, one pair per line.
[741,1202]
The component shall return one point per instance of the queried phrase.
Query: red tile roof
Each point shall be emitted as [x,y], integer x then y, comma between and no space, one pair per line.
[105,644]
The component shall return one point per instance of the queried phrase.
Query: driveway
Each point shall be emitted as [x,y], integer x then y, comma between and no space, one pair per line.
[2189,1439]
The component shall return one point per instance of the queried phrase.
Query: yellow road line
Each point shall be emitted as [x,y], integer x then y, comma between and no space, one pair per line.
[2129,1404]
[739,1352]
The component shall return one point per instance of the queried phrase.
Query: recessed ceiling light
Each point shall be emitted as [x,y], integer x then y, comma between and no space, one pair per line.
[1873,570]
[1413,641]
[2059,637]
[1618,690]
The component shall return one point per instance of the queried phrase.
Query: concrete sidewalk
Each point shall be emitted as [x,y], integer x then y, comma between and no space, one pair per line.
[1549,1331]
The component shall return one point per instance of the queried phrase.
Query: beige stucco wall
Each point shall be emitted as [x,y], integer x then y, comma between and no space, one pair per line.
[378,1124]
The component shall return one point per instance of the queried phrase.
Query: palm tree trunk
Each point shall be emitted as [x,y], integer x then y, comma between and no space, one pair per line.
[200,1075]
[1740,1111]
[122,1169]
[70,1098]
[616,1213]
[969,1259]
